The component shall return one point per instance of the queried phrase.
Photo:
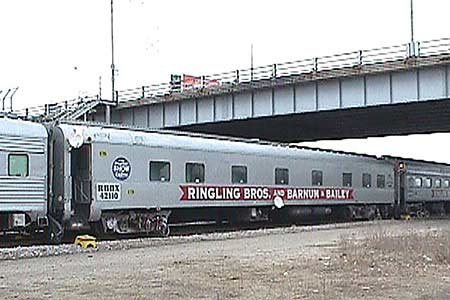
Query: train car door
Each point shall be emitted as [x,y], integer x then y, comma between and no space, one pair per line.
[81,170]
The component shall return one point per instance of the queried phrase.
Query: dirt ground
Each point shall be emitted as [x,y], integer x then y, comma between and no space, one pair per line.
[377,260]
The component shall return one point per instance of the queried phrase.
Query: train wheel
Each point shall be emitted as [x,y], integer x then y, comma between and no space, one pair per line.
[378,214]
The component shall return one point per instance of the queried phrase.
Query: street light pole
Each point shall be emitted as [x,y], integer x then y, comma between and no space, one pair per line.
[113,69]
[251,62]
[413,44]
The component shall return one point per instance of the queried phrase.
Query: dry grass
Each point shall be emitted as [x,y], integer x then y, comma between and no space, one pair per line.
[417,265]
[382,266]
[412,247]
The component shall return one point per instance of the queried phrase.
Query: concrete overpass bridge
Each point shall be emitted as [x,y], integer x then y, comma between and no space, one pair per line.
[394,90]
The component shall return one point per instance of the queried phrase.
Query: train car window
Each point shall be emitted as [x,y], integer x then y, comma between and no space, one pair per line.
[317,177]
[418,182]
[195,172]
[428,183]
[18,165]
[159,171]
[367,180]
[446,183]
[437,183]
[347,179]
[281,176]
[411,182]
[381,181]
[238,174]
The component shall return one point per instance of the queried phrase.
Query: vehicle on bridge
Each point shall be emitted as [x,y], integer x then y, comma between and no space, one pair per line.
[116,180]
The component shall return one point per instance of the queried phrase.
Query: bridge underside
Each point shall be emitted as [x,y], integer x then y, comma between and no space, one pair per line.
[399,119]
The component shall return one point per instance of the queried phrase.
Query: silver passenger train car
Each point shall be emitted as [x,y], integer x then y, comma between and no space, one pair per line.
[61,177]
[23,177]
[424,187]
[128,179]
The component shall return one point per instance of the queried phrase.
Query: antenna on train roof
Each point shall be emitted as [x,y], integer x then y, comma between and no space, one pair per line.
[4,98]
[11,99]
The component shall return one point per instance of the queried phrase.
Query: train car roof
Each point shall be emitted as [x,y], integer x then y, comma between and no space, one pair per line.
[20,128]
[416,161]
[119,134]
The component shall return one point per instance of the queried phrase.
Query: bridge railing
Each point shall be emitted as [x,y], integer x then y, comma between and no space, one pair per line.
[54,110]
[258,76]
[162,92]
[295,67]
[384,54]
[433,47]
[226,78]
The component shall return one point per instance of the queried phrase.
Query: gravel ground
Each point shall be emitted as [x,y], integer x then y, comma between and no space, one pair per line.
[311,262]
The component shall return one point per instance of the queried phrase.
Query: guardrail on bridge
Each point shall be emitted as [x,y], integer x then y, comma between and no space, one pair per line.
[248,77]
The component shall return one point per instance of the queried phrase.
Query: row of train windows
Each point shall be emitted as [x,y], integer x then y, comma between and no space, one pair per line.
[195,173]
[18,165]
[419,182]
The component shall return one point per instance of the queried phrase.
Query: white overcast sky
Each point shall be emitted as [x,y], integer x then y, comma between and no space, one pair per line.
[57,49]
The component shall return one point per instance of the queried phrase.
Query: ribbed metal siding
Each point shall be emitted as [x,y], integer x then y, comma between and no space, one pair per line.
[22,144]
[22,192]
[17,193]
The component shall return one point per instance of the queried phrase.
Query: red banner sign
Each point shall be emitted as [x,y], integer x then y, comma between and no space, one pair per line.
[192,80]
[256,193]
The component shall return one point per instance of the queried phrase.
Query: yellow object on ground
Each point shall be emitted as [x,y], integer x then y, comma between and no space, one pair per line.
[86,241]
[406,217]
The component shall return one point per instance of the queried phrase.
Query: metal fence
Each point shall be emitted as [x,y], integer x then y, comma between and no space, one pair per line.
[55,110]
[159,92]
[253,77]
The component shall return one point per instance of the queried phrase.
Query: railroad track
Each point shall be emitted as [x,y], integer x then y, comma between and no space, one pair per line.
[177,230]
[195,229]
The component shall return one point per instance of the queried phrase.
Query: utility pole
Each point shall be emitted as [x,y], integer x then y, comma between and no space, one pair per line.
[113,69]
[100,87]
[413,43]
[251,62]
